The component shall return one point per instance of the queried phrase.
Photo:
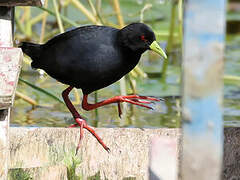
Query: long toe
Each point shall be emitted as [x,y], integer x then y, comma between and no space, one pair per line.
[137,103]
[83,125]
[97,137]
[149,98]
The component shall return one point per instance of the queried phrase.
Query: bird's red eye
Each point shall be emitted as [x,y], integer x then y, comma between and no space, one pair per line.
[143,38]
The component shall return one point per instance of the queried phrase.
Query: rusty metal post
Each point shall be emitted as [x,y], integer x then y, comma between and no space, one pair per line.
[203,53]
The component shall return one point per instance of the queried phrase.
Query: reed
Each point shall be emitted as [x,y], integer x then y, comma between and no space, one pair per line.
[170,39]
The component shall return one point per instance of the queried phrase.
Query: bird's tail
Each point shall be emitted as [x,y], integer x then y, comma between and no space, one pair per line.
[33,51]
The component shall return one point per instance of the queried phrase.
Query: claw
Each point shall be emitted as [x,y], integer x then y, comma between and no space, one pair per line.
[77,150]
[108,150]
[119,110]
[161,99]
[156,98]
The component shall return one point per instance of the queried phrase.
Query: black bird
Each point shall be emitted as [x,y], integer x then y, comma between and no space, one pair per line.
[93,57]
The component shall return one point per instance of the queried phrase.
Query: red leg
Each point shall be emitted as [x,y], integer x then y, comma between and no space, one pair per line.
[133,99]
[69,104]
[80,121]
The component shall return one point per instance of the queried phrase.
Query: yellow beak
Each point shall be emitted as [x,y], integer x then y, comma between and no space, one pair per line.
[155,47]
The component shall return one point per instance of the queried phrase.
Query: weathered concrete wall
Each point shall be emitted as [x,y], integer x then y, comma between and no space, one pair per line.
[129,156]
[53,150]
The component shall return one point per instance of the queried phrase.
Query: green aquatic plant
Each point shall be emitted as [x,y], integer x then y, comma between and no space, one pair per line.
[71,161]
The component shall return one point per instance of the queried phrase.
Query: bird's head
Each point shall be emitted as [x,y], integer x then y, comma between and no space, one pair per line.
[139,38]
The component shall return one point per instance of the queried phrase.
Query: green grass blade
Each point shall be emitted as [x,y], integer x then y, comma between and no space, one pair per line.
[41,90]
[64,18]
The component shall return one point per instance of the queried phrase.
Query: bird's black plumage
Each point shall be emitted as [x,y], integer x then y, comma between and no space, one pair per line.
[91,57]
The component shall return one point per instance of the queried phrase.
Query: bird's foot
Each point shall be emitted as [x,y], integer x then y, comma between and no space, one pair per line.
[137,100]
[133,99]
[83,124]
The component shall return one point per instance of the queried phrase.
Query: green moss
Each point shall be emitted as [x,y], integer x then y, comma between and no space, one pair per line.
[19,174]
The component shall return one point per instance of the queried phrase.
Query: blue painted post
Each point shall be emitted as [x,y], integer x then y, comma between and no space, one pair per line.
[203,51]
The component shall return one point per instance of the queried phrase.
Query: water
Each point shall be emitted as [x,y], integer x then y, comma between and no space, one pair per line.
[166,114]
[231,88]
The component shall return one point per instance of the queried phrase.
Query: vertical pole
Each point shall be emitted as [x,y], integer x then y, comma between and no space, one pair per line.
[6,36]
[203,51]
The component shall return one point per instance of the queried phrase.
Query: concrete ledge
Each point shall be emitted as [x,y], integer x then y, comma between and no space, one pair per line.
[132,151]
[129,156]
